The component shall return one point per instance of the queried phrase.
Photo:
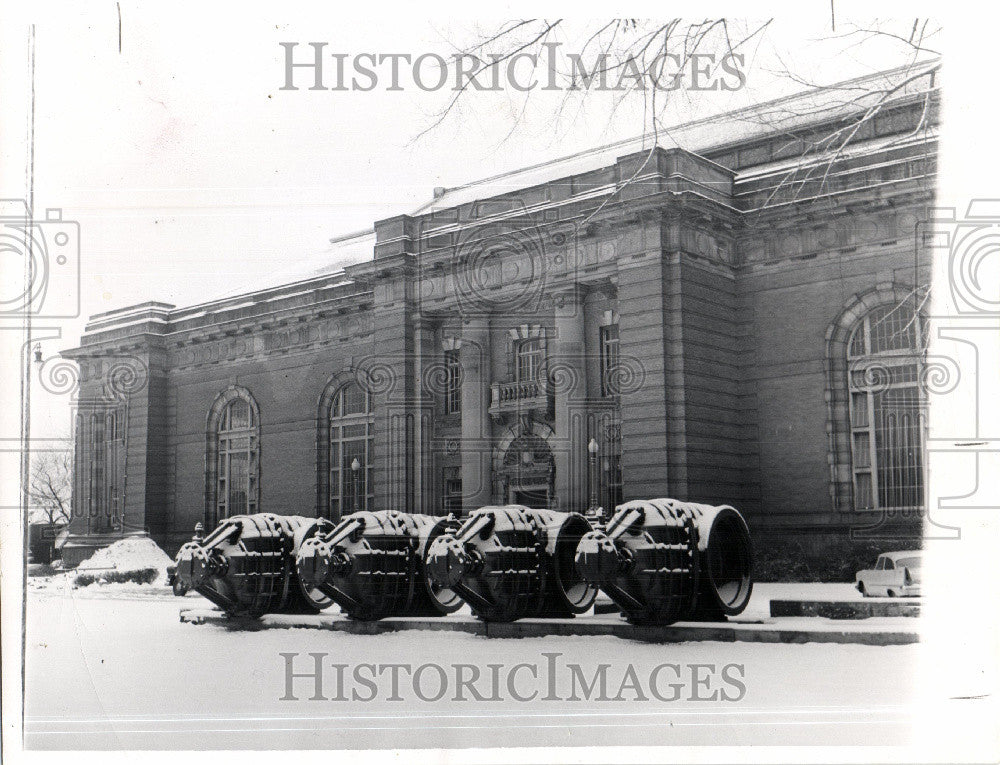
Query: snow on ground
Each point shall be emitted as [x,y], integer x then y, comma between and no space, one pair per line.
[104,672]
[128,554]
[763,593]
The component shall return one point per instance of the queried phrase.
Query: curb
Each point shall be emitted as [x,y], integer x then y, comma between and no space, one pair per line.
[845,609]
[729,632]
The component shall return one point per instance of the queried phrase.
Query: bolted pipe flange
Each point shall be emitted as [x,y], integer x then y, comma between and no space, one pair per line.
[193,565]
[598,559]
[448,561]
[316,561]
[245,566]
[309,563]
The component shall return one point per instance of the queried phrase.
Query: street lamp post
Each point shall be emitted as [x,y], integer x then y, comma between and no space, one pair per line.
[593,448]
[356,469]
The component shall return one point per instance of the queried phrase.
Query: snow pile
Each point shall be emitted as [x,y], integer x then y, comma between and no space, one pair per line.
[129,554]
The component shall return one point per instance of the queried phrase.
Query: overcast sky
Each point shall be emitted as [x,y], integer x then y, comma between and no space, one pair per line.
[191,171]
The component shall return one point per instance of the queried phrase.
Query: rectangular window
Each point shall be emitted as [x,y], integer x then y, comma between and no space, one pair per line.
[609,360]
[864,490]
[98,454]
[898,448]
[862,453]
[614,479]
[239,481]
[859,410]
[612,465]
[453,382]
[355,487]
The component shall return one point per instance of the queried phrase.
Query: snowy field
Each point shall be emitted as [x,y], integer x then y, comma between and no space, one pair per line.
[112,667]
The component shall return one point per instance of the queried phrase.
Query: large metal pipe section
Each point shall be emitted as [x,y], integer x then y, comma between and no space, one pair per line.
[246,565]
[372,565]
[662,561]
[512,562]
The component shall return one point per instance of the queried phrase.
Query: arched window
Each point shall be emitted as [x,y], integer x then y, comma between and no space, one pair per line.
[529,355]
[233,456]
[886,405]
[351,424]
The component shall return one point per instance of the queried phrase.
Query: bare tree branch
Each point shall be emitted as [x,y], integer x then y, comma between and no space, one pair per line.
[627,57]
[49,486]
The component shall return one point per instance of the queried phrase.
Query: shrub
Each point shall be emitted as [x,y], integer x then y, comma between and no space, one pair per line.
[41,569]
[835,560]
[139,576]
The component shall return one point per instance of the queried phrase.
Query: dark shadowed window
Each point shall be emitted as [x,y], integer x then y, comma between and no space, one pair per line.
[612,464]
[453,490]
[609,360]
[453,382]
[97,506]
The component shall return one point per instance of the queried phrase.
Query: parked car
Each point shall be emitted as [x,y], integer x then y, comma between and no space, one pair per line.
[895,574]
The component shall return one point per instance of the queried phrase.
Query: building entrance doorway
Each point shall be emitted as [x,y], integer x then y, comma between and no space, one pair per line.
[527,472]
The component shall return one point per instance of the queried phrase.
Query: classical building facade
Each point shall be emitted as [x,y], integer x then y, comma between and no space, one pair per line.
[732,319]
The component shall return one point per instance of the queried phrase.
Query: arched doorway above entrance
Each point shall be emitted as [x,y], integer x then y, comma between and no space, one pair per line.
[523,466]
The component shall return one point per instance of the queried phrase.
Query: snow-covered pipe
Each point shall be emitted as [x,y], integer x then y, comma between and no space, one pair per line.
[372,565]
[510,562]
[663,560]
[246,565]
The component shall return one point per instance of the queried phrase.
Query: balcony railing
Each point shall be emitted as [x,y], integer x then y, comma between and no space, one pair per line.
[517,396]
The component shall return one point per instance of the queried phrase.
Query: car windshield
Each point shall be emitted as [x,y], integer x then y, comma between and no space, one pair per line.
[913,562]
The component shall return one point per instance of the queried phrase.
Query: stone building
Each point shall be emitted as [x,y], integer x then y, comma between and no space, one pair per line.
[730,317]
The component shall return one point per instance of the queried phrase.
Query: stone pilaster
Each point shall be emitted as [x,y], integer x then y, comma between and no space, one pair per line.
[428,376]
[650,469]
[568,377]
[120,452]
[389,374]
[476,444]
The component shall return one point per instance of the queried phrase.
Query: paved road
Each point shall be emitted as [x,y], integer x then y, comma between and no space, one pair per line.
[125,673]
